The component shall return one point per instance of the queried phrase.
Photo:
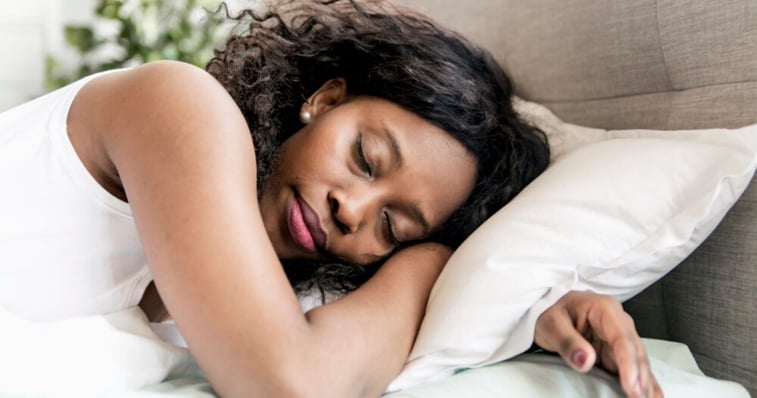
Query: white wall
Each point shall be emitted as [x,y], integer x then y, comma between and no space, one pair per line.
[29,30]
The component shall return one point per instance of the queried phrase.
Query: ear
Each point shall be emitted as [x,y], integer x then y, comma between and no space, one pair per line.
[329,95]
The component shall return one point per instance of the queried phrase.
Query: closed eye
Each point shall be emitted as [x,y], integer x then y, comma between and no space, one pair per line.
[361,160]
[389,231]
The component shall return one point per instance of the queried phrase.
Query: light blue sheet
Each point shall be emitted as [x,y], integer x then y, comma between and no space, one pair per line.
[528,376]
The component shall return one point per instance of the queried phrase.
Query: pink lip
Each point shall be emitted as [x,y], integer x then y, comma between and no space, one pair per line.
[304,226]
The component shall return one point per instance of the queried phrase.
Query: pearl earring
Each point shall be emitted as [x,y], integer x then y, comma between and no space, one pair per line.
[305,117]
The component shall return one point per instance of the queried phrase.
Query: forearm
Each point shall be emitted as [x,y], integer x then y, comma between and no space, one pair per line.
[367,335]
[352,347]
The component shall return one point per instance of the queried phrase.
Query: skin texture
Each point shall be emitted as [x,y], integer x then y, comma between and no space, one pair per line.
[167,137]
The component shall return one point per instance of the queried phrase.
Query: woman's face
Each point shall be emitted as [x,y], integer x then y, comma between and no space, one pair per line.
[360,177]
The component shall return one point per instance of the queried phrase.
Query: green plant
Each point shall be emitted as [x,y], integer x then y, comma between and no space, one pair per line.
[125,33]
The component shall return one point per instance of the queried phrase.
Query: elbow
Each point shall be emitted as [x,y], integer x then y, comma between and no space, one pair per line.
[307,382]
[323,387]
[302,365]
[297,379]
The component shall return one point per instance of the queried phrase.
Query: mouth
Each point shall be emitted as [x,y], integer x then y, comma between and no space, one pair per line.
[304,227]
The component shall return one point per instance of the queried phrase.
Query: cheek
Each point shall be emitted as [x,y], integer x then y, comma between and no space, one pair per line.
[312,156]
[361,249]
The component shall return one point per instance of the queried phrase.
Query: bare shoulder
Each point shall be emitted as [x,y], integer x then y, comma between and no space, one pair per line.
[162,105]
[116,114]
[172,89]
[166,119]
[166,78]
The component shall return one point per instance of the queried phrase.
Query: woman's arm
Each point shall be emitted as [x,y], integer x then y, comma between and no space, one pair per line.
[187,164]
[586,329]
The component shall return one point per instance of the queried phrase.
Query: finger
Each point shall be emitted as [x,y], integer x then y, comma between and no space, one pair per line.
[645,384]
[649,385]
[556,332]
[629,368]
[656,389]
[624,353]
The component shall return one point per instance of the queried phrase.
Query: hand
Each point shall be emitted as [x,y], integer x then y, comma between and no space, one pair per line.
[586,329]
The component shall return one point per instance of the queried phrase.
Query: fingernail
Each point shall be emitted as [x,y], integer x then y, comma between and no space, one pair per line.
[579,358]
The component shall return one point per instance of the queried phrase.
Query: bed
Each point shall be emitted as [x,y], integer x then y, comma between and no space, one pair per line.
[660,65]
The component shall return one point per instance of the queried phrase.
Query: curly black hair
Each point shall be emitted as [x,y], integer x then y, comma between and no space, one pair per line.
[292,47]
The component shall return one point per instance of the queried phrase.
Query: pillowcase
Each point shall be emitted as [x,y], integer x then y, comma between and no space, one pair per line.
[614,212]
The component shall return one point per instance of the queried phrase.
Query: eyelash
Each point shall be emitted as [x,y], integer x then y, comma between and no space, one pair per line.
[366,168]
[390,231]
[361,160]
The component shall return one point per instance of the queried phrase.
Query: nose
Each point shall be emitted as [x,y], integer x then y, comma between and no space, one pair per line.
[354,207]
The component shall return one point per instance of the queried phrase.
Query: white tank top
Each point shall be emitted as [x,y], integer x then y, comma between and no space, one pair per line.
[67,246]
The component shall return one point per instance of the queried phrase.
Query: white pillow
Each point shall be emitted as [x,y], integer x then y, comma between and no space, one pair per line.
[613,212]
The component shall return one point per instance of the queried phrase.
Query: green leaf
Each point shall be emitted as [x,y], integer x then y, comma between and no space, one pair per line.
[109,9]
[80,37]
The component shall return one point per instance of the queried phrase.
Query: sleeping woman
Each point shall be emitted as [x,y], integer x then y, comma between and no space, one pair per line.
[330,137]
